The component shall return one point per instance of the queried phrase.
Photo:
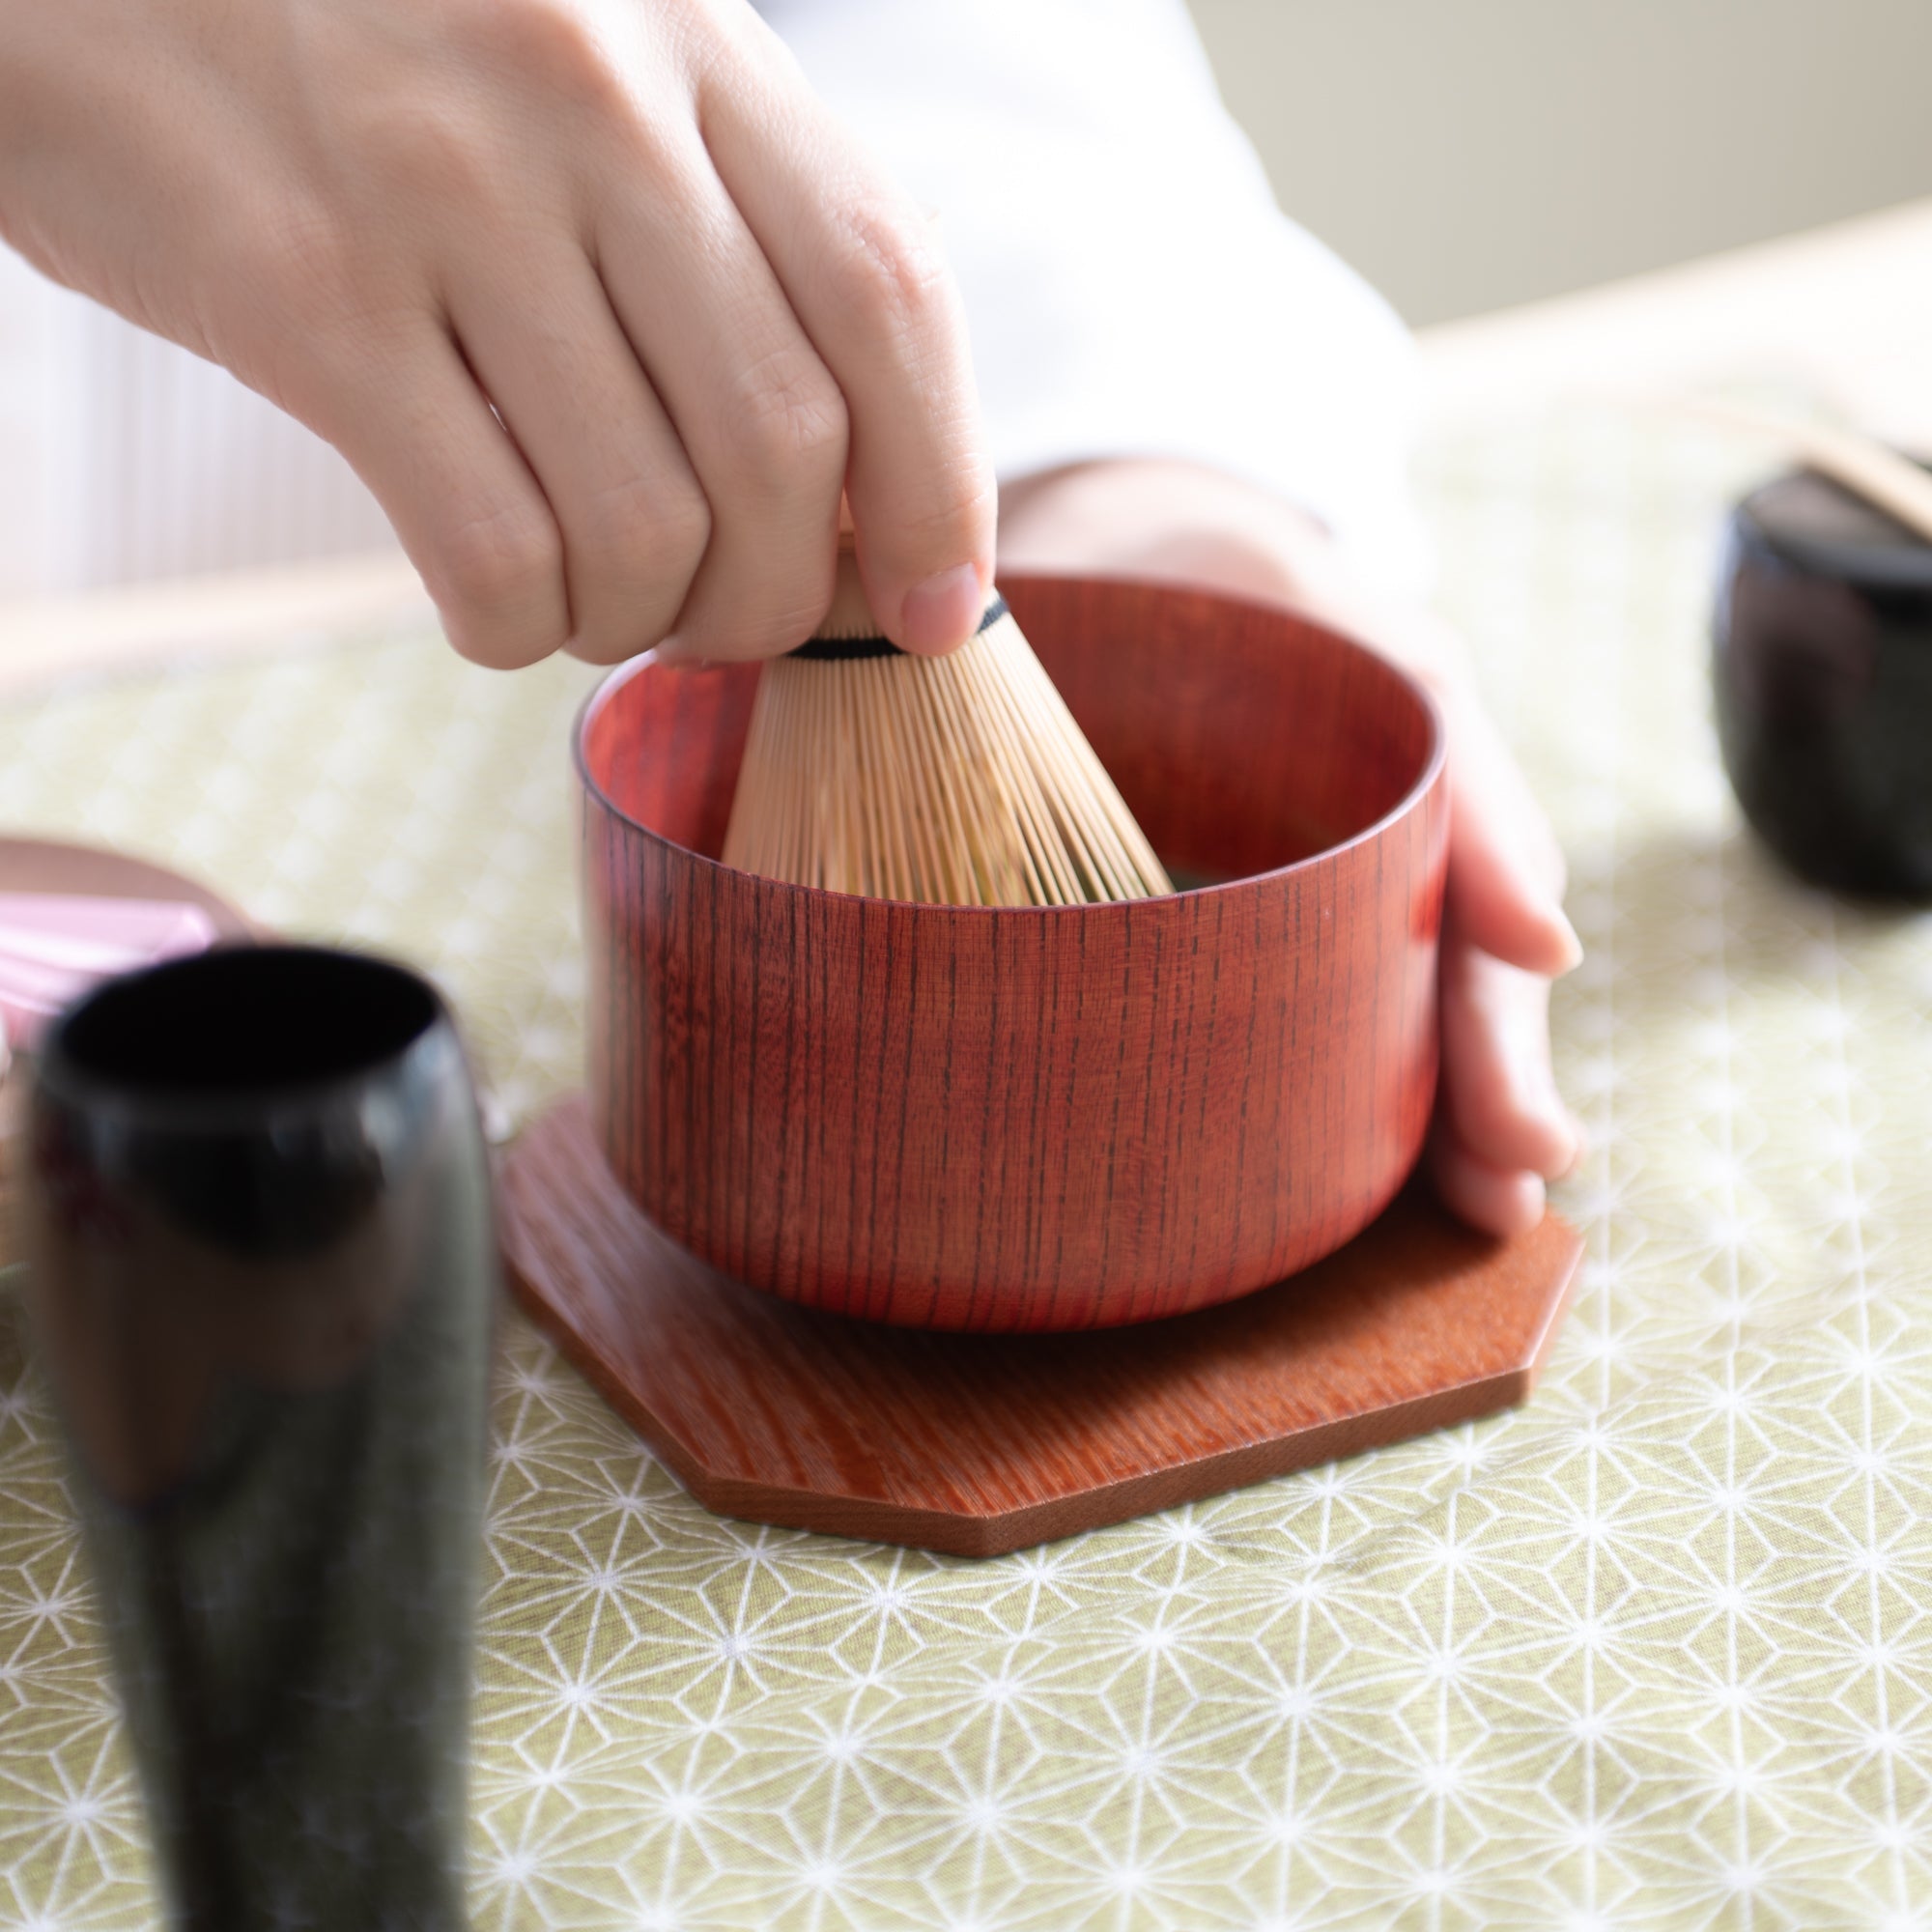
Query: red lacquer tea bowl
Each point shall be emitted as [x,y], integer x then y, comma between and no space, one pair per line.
[1037,1118]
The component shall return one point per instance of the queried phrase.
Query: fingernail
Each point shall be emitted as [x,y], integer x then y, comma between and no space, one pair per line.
[1556,1154]
[1573,946]
[1533,1200]
[1566,1149]
[940,614]
[1541,1109]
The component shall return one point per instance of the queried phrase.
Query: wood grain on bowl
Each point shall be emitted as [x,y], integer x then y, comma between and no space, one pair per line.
[1034,1117]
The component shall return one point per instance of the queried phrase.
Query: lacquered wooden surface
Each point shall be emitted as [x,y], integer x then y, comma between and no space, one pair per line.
[977,1444]
[1034,1117]
[53,866]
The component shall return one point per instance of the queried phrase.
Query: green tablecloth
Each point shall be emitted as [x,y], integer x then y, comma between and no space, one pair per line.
[1653,1652]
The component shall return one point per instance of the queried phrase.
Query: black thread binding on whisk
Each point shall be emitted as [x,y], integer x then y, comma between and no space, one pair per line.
[831,650]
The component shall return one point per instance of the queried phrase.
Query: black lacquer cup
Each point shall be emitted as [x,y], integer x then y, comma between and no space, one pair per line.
[1822,677]
[263,1279]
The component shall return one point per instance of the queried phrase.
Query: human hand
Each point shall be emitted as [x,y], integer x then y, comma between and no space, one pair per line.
[1500,1129]
[697,310]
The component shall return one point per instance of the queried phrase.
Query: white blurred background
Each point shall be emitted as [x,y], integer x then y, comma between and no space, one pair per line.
[1463,154]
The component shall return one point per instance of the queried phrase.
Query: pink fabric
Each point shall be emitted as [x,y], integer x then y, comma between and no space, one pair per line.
[53,945]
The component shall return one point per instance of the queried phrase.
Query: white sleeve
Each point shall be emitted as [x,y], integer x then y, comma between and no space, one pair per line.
[1132,288]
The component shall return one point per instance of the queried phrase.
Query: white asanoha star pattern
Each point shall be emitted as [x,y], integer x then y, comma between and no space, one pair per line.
[1652,1653]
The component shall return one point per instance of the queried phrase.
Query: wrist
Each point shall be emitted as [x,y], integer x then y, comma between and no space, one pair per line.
[1178,522]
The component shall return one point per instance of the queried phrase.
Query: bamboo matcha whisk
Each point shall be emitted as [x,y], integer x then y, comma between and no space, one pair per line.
[954,781]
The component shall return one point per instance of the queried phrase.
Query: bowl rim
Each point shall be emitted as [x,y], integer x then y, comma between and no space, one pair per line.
[1430,775]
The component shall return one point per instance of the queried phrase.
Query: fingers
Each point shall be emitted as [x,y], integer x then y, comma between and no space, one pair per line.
[1505,867]
[465,507]
[632,520]
[1496,1081]
[1496,1201]
[1500,1129]
[862,270]
[760,418]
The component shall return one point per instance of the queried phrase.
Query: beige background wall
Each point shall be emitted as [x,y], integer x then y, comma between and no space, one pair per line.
[1466,154]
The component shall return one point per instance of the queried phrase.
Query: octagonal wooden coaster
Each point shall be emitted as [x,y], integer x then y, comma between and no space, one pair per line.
[978,1444]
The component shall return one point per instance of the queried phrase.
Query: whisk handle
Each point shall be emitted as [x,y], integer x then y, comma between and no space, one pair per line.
[839,649]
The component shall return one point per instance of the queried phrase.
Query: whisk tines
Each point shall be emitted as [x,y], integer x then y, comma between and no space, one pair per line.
[954,781]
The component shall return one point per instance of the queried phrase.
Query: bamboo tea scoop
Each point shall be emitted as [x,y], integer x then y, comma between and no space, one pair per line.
[1860,463]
